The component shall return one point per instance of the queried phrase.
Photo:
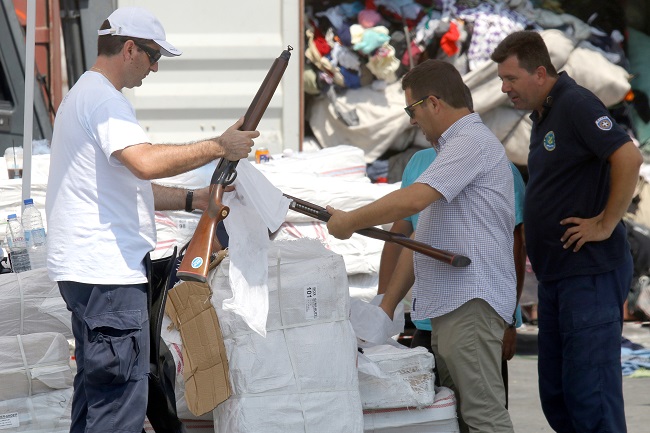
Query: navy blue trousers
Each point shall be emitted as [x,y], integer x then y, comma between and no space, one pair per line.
[580,327]
[111,328]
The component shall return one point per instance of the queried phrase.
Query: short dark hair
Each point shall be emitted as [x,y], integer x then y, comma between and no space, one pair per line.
[109,45]
[469,101]
[439,78]
[529,48]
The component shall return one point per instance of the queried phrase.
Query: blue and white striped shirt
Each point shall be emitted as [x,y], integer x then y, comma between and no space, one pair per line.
[475,218]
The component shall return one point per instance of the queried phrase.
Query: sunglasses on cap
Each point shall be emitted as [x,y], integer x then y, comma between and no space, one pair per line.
[154,55]
[409,108]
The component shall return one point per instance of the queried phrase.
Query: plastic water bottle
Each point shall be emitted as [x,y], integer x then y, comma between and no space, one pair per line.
[15,237]
[34,235]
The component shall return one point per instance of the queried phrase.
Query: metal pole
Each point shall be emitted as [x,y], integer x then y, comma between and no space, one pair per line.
[407,35]
[29,98]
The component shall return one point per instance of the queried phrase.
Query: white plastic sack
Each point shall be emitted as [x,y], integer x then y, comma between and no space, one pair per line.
[316,412]
[341,161]
[42,413]
[31,303]
[360,253]
[299,360]
[440,417]
[512,127]
[34,364]
[610,84]
[382,122]
[363,286]
[392,377]
[302,377]
[295,268]
[256,207]
[371,324]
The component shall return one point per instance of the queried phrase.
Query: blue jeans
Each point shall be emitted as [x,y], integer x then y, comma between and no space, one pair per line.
[580,327]
[110,324]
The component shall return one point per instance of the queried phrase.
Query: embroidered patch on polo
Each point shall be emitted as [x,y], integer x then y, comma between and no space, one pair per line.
[549,141]
[604,123]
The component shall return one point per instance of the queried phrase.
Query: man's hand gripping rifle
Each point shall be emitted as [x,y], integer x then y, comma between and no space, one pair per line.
[196,260]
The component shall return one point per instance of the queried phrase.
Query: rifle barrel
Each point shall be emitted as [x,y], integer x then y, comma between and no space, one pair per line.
[195,263]
[320,213]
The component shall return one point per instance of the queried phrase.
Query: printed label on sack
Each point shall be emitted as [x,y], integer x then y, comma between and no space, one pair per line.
[9,420]
[311,303]
[187,225]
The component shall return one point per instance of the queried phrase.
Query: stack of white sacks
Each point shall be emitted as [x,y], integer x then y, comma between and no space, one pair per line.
[302,376]
[397,383]
[35,368]
[398,395]
[306,374]
[36,372]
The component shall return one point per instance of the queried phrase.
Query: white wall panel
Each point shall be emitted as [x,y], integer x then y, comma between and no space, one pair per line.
[228,47]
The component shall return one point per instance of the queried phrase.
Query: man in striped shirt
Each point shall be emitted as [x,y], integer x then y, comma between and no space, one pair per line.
[466,204]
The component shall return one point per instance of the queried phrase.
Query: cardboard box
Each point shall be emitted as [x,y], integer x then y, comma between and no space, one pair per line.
[207,381]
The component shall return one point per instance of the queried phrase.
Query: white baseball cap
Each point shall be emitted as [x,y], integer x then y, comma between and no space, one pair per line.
[139,23]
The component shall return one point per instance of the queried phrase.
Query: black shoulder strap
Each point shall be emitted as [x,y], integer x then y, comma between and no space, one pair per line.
[161,406]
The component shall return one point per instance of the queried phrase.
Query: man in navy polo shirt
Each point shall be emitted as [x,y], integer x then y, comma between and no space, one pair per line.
[583,169]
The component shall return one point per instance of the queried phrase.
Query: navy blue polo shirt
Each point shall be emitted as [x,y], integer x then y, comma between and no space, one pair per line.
[569,177]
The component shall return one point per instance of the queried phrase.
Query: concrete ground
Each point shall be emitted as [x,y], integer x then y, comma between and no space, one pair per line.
[525,409]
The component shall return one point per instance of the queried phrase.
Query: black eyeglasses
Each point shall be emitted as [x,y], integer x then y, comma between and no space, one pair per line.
[409,108]
[153,54]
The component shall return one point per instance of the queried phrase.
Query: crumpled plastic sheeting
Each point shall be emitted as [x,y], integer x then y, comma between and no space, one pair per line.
[371,324]
[255,208]
[392,377]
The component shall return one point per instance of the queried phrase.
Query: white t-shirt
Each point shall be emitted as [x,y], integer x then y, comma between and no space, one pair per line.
[100,216]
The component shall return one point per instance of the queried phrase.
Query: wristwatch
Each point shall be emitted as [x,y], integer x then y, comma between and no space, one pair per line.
[188,200]
[513,324]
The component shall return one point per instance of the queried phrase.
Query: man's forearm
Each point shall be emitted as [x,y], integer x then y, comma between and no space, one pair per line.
[400,283]
[390,255]
[389,208]
[172,198]
[392,207]
[520,259]
[185,157]
[155,161]
[624,175]
[168,198]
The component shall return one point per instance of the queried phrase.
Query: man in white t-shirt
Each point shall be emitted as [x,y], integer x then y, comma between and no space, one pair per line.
[100,212]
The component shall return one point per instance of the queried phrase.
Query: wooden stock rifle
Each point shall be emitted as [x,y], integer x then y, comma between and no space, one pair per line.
[196,260]
[320,213]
